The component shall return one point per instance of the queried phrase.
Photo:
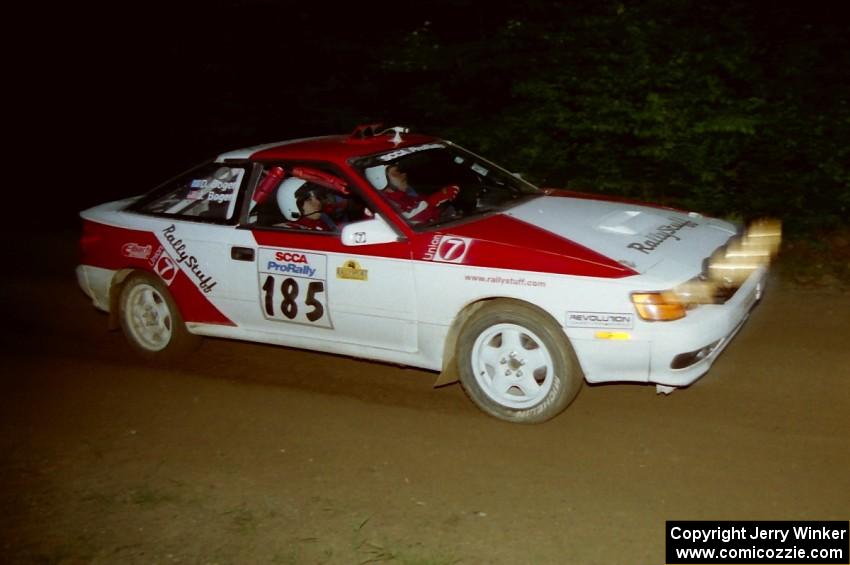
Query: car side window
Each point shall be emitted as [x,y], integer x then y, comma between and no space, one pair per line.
[303,198]
[207,193]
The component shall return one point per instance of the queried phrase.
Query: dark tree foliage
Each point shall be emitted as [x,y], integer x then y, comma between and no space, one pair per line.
[731,108]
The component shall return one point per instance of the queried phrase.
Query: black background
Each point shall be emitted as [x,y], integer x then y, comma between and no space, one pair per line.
[113,99]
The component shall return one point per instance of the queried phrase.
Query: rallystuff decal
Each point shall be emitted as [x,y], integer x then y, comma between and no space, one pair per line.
[205,281]
[293,286]
[351,270]
[498,279]
[662,234]
[622,320]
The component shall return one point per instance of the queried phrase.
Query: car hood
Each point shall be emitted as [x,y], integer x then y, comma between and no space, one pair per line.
[583,236]
[646,239]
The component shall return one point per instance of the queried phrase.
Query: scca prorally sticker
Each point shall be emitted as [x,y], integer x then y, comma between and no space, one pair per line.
[293,286]
[621,320]
[447,248]
[205,281]
[136,250]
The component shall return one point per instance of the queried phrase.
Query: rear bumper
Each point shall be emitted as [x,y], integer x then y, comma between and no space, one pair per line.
[96,284]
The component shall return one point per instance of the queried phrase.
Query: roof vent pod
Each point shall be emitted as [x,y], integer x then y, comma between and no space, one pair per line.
[365,131]
[371,131]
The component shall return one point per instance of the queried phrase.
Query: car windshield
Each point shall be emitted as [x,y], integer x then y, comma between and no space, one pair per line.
[417,181]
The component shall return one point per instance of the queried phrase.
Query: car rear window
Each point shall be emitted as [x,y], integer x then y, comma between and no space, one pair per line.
[209,193]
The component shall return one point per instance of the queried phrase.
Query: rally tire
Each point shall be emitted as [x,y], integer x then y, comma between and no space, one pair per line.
[151,320]
[516,364]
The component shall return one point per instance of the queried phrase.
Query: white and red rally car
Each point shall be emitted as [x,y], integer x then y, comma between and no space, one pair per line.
[408,249]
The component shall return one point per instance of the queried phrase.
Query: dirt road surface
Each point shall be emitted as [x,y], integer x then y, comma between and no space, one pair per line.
[255,454]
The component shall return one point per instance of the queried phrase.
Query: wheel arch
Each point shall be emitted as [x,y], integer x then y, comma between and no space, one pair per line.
[115,286]
[449,373]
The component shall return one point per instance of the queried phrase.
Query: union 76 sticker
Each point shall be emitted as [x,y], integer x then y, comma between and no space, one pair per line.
[452,249]
[293,286]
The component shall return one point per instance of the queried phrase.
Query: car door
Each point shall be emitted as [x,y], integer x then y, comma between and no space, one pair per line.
[193,220]
[308,283]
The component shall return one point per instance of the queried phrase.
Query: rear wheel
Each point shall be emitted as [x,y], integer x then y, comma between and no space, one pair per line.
[516,364]
[151,320]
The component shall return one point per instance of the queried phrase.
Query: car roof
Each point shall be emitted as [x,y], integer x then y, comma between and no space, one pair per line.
[336,148]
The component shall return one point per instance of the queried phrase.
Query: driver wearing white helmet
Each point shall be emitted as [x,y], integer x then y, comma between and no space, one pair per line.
[301,203]
[392,181]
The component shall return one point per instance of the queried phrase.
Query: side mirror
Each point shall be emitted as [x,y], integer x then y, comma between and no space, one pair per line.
[369,232]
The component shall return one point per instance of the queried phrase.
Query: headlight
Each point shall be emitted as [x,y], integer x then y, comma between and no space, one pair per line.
[658,306]
[727,268]
[756,247]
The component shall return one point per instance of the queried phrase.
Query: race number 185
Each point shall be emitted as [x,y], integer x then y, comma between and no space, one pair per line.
[293,299]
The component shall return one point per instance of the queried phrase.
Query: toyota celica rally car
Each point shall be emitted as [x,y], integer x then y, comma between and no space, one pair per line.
[408,249]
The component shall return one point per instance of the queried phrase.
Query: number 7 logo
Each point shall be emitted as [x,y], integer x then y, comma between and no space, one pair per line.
[452,249]
[166,269]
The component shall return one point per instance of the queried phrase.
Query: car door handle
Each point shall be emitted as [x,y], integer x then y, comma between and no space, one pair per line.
[241,253]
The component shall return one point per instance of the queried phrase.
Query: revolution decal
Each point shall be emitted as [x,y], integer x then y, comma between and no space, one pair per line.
[622,320]
[662,234]
[293,286]
[351,270]
[205,281]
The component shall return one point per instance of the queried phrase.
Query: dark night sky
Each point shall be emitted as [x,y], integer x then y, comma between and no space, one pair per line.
[145,90]
[175,83]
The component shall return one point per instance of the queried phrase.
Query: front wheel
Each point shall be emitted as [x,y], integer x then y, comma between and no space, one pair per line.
[151,320]
[516,364]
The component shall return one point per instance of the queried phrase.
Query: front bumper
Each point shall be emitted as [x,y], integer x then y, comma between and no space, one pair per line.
[684,350]
[673,353]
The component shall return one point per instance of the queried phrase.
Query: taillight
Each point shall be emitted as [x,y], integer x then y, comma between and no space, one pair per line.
[89,239]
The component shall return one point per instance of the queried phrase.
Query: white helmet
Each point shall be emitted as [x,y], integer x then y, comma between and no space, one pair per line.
[377,175]
[287,200]
[224,174]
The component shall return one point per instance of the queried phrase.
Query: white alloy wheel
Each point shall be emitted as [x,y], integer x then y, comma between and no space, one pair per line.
[151,320]
[516,363]
[148,317]
[512,366]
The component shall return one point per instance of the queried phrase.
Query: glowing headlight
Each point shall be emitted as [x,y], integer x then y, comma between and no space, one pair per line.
[740,258]
[727,269]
